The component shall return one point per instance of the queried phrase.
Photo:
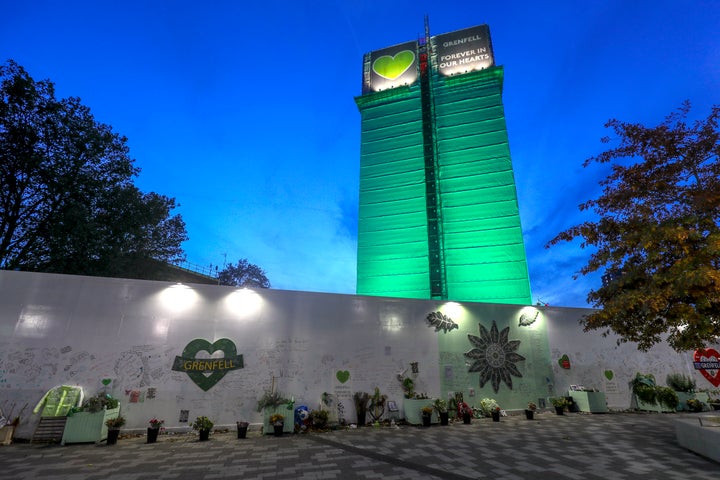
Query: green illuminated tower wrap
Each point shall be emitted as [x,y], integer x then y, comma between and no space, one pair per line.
[438,206]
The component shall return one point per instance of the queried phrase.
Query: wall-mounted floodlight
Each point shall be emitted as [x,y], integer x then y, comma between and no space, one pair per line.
[179,297]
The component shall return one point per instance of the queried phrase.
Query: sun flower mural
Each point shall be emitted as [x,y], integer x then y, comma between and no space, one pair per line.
[494,356]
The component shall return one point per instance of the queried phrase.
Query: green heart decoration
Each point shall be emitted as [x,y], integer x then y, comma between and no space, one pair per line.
[106,381]
[609,374]
[199,368]
[392,67]
[342,376]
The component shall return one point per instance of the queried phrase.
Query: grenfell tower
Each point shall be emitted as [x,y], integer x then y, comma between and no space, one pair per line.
[438,214]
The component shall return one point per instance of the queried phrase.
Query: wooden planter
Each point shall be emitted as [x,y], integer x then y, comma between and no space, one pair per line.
[86,427]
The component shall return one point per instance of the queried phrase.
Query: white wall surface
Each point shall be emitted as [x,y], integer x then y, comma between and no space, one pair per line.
[75,330]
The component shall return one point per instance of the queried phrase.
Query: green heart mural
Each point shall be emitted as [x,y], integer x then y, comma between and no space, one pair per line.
[342,376]
[392,67]
[199,368]
[609,374]
[106,381]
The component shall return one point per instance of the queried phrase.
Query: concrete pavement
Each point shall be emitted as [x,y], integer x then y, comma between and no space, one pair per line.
[628,446]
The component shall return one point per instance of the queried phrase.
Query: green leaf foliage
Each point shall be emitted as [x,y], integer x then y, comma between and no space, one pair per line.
[67,199]
[244,274]
[657,236]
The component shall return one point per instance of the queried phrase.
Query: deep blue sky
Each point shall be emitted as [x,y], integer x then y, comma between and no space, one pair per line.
[244,111]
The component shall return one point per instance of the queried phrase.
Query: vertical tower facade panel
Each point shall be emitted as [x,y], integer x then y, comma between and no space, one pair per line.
[392,233]
[438,206]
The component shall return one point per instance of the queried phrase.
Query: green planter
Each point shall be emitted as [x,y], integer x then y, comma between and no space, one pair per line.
[683,397]
[288,421]
[412,410]
[593,402]
[650,407]
[86,427]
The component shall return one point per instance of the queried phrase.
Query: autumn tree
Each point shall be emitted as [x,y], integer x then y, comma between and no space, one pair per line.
[244,274]
[657,237]
[67,199]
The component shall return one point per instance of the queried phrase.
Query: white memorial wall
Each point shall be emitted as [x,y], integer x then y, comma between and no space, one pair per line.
[125,337]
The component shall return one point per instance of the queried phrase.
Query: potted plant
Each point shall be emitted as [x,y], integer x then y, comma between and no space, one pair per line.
[278,423]
[530,410]
[426,415]
[695,405]
[465,411]
[203,425]
[714,402]
[154,429]
[242,428]
[684,386]
[668,398]
[560,403]
[113,426]
[408,386]
[361,400]
[441,407]
[490,408]
[273,402]
[88,423]
[377,405]
[319,418]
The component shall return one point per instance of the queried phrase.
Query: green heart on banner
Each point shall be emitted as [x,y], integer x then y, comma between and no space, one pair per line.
[206,372]
[342,376]
[392,67]
[609,374]
[106,381]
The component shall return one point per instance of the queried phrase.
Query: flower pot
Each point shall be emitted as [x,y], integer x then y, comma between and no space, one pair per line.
[426,419]
[112,436]
[529,414]
[444,418]
[204,435]
[152,434]
[466,418]
[559,410]
[495,416]
[242,430]
[361,419]
[278,430]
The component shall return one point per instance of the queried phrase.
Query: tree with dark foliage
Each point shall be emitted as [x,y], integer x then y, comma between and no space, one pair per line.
[244,274]
[657,240]
[67,199]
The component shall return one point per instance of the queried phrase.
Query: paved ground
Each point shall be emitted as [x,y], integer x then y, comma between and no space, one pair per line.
[574,446]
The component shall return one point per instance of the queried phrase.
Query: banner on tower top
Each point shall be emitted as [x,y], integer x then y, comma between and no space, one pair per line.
[464,50]
[390,67]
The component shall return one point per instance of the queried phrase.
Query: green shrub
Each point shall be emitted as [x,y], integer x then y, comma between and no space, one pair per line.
[666,396]
[680,382]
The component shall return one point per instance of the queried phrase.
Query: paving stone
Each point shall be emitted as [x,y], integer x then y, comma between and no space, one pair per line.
[587,447]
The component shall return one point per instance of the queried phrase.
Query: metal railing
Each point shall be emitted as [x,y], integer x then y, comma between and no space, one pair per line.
[207,270]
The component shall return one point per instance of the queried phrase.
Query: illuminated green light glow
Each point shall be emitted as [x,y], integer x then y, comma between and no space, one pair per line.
[484,254]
